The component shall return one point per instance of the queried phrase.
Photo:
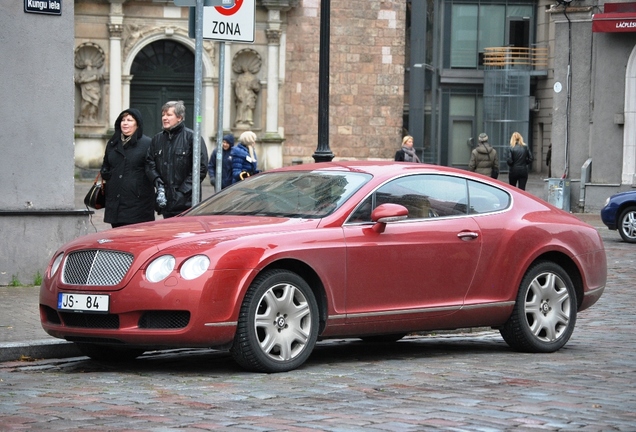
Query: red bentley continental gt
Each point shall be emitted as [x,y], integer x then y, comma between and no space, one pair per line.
[372,250]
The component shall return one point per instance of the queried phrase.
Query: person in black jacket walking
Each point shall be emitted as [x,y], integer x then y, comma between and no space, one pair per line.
[226,164]
[518,158]
[169,161]
[130,195]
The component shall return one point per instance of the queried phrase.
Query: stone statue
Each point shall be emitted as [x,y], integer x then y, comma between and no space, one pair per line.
[247,63]
[246,88]
[89,58]
[89,82]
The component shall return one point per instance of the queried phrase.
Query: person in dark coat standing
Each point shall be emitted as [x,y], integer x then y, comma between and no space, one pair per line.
[483,158]
[130,195]
[169,161]
[518,159]
[226,164]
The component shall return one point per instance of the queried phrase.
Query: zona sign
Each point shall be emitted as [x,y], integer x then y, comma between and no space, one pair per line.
[230,23]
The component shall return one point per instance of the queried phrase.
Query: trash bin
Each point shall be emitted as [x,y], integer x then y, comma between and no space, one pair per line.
[559,193]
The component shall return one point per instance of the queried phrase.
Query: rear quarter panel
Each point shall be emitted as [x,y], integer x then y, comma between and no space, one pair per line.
[514,240]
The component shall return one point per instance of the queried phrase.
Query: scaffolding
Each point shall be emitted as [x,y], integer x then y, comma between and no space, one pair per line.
[507,73]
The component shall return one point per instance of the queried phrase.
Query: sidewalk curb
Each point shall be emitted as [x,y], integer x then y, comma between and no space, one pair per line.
[40,349]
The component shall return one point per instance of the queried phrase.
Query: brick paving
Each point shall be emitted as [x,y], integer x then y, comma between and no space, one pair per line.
[446,381]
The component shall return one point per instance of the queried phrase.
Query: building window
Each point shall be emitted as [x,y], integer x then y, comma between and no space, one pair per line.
[475,26]
[464,36]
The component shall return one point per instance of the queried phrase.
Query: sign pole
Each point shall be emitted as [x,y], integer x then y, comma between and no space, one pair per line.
[219,122]
[198,84]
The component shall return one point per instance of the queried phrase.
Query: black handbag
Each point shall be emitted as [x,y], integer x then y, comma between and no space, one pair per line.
[494,171]
[96,198]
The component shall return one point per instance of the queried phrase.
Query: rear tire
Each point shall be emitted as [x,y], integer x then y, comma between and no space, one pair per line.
[544,315]
[278,323]
[627,225]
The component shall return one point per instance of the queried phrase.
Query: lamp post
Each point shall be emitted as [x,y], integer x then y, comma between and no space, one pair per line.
[323,152]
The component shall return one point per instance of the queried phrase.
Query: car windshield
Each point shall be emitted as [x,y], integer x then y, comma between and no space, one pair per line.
[296,194]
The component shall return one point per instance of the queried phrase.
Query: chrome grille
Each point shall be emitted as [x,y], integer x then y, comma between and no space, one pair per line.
[96,267]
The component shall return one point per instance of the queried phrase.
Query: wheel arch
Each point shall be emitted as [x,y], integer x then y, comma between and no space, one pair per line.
[570,268]
[621,208]
[311,277]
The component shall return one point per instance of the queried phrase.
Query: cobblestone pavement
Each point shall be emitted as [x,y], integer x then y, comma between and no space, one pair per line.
[450,381]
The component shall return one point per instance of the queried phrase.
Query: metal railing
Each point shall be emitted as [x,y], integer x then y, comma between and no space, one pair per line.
[521,57]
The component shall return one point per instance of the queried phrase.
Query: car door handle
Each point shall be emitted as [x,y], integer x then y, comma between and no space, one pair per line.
[468,235]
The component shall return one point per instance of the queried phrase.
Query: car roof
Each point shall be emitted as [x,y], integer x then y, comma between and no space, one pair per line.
[375,168]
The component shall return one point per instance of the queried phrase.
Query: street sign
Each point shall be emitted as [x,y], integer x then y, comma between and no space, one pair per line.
[228,23]
[193,3]
[51,7]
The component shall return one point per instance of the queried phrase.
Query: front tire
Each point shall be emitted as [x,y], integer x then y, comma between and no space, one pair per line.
[544,315]
[627,225]
[278,323]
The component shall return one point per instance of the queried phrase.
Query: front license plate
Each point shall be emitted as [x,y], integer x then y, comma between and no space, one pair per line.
[82,302]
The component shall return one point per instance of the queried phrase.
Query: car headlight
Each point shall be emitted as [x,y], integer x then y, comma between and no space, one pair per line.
[606,202]
[56,264]
[195,267]
[160,268]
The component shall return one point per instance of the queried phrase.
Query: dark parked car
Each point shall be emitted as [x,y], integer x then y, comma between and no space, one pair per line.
[372,250]
[619,214]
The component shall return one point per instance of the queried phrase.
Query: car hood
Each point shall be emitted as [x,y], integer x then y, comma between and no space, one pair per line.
[621,195]
[163,234]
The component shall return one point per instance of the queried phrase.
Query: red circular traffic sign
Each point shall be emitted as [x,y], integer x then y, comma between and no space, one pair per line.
[231,10]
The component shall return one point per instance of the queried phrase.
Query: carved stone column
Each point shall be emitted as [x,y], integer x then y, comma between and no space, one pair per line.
[272,142]
[115,30]
[125,96]
[273,47]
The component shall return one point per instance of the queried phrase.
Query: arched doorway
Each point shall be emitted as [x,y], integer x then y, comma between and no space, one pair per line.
[162,71]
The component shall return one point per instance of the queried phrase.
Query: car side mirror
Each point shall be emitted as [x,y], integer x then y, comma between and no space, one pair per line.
[385,213]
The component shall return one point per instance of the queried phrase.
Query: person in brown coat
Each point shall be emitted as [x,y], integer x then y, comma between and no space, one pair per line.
[484,159]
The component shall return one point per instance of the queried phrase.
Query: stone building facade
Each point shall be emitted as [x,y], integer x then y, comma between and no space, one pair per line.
[594,113]
[138,53]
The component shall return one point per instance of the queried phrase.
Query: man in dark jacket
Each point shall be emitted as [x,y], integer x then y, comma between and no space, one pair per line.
[226,164]
[130,195]
[170,158]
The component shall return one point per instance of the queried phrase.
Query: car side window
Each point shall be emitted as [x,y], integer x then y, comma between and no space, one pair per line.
[424,195]
[448,195]
[485,198]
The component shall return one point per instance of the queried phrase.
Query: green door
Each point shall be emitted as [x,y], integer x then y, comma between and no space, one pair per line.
[162,71]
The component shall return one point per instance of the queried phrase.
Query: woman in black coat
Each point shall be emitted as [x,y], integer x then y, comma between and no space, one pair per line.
[130,195]
[518,157]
